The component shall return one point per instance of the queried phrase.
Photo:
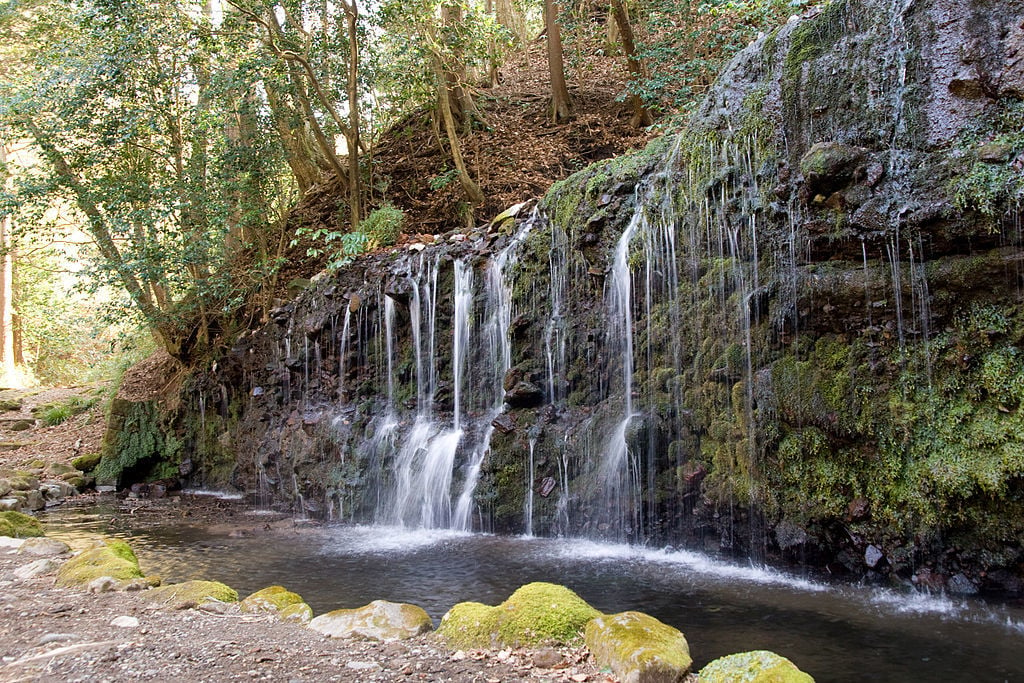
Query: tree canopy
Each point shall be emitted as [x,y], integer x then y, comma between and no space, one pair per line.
[178,134]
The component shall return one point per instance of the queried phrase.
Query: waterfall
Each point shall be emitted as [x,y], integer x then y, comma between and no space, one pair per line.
[617,473]
[497,361]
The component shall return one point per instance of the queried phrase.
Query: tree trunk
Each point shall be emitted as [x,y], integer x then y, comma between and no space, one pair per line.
[641,114]
[472,190]
[561,106]
[492,50]
[355,187]
[9,374]
[460,101]
[509,17]
[296,150]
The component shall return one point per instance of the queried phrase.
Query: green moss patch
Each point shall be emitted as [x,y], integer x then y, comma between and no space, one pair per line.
[536,614]
[19,525]
[470,625]
[114,559]
[758,666]
[636,646]
[279,601]
[192,593]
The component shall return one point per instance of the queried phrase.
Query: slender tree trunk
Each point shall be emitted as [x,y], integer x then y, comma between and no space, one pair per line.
[463,107]
[641,114]
[561,105]
[492,50]
[296,150]
[9,375]
[355,187]
[513,20]
[472,190]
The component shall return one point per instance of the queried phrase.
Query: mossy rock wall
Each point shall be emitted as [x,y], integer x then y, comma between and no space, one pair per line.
[825,323]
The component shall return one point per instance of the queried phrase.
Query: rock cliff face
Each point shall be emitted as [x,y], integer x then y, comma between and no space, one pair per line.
[793,328]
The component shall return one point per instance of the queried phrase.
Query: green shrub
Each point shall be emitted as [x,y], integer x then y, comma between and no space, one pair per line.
[383,226]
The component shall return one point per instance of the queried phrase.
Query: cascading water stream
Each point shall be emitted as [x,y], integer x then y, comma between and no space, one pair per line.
[498,360]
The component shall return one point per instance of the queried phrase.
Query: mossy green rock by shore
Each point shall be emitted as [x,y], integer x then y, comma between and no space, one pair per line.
[114,559]
[380,620]
[19,525]
[279,601]
[87,462]
[536,614]
[758,666]
[638,648]
[192,593]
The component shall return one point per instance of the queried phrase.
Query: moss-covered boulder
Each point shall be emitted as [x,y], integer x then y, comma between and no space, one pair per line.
[86,462]
[380,620]
[638,648]
[114,559]
[19,525]
[758,666]
[470,625]
[536,614]
[279,601]
[191,594]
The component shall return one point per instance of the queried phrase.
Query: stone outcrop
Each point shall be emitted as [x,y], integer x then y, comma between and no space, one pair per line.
[113,560]
[191,594]
[279,601]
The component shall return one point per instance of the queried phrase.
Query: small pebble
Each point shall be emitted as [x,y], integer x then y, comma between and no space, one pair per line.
[125,622]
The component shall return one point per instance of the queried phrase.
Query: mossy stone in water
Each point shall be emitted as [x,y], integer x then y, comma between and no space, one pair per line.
[638,648]
[192,593]
[19,525]
[279,601]
[758,666]
[114,559]
[536,614]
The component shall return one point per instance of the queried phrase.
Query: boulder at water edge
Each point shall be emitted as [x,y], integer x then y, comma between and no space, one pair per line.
[759,666]
[40,546]
[280,602]
[114,559]
[638,648]
[536,614]
[380,620]
[19,525]
[191,594]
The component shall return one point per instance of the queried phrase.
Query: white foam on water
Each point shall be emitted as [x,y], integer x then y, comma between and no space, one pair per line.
[211,493]
[687,560]
[387,539]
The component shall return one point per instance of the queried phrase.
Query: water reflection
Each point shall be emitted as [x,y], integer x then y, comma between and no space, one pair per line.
[836,633]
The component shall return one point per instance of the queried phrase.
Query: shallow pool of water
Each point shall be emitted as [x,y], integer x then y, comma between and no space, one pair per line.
[835,633]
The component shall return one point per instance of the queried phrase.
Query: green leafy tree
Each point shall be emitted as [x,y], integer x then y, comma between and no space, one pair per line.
[135,111]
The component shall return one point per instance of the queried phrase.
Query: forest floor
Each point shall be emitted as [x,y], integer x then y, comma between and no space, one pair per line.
[513,150]
[25,438]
